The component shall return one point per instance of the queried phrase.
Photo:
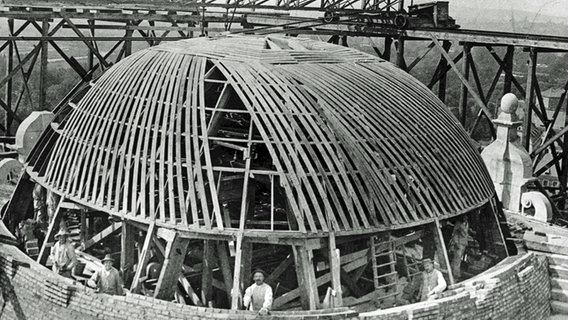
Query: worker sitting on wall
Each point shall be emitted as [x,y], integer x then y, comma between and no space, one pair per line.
[258,297]
[433,282]
[107,280]
[63,254]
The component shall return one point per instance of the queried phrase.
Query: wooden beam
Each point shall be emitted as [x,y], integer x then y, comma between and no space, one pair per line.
[442,252]
[128,246]
[306,278]
[225,265]
[50,236]
[115,227]
[529,99]
[171,269]
[143,258]
[337,273]
[189,291]
[326,278]
[279,270]
[463,88]
[43,66]
[243,258]
[474,94]
[207,272]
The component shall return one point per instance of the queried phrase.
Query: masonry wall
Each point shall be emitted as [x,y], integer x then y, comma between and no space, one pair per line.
[518,288]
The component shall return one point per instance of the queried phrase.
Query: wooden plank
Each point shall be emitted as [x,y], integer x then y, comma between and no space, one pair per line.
[307,284]
[337,274]
[113,228]
[171,268]
[189,291]
[143,259]
[128,247]
[529,99]
[442,252]
[243,257]
[50,235]
[207,272]
[225,265]
[279,270]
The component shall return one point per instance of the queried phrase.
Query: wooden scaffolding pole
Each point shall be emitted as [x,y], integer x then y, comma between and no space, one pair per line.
[306,277]
[143,258]
[463,89]
[529,98]
[176,250]
[442,253]
[43,65]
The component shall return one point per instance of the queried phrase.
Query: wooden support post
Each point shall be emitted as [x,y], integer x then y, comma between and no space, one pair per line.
[443,75]
[529,98]
[176,250]
[83,229]
[442,253]
[387,50]
[241,276]
[143,258]
[9,68]
[50,236]
[498,239]
[508,69]
[43,66]
[336,271]
[90,55]
[306,278]
[463,90]
[207,272]
[224,264]
[400,54]
[128,43]
[128,247]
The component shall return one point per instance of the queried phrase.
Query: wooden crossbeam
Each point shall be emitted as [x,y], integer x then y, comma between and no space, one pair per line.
[94,50]
[475,96]
[113,228]
[171,269]
[143,258]
[279,270]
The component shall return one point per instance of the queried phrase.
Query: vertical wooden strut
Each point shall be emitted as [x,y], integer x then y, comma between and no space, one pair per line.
[306,277]
[529,98]
[335,269]
[9,67]
[207,274]
[43,65]
[442,252]
[143,258]
[50,236]
[463,89]
[128,252]
[171,269]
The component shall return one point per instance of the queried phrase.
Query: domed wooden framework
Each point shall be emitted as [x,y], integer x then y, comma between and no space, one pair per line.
[336,138]
[260,140]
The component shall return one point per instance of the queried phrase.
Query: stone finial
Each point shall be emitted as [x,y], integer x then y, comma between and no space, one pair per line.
[509,105]
[508,163]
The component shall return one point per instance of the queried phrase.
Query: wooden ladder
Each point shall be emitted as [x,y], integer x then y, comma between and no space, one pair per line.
[384,270]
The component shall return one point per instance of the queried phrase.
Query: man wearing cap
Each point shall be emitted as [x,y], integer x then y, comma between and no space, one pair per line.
[108,279]
[258,297]
[63,254]
[433,281]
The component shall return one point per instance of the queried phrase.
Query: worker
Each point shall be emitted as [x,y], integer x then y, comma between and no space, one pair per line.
[63,254]
[433,282]
[258,297]
[107,280]
[458,245]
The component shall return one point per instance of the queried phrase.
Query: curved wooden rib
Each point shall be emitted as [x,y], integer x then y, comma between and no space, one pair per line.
[356,143]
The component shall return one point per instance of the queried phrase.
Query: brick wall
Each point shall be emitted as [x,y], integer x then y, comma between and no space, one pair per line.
[518,288]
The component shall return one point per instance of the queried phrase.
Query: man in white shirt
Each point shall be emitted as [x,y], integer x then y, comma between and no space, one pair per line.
[63,255]
[258,297]
[433,281]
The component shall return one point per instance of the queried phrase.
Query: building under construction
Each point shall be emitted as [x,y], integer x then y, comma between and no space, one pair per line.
[194,162]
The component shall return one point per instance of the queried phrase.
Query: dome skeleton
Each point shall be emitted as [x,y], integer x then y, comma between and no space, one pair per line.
[298,107]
